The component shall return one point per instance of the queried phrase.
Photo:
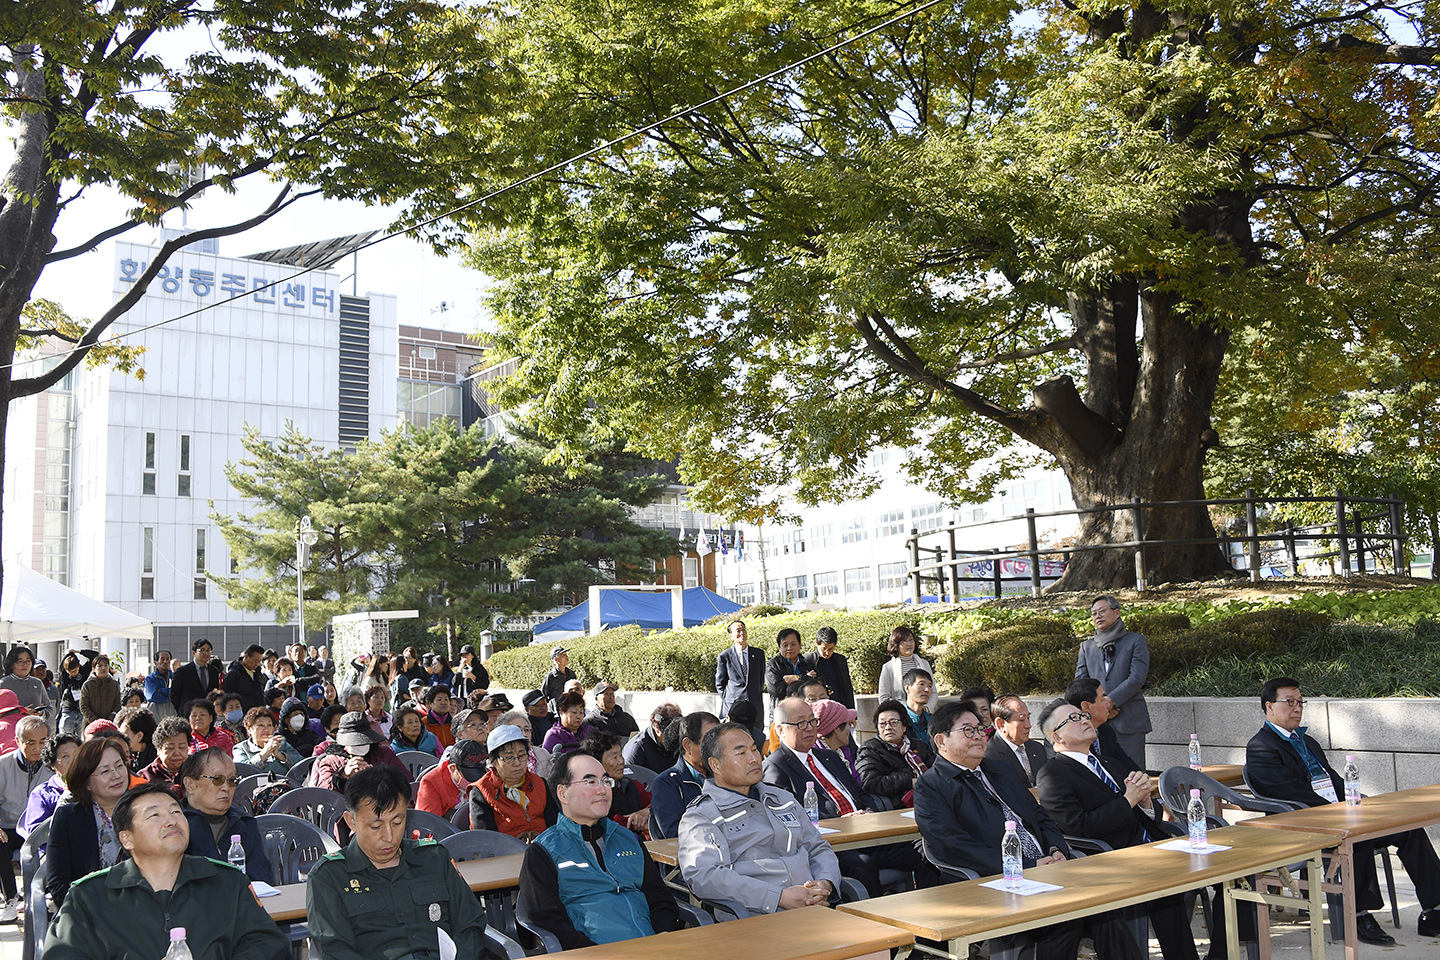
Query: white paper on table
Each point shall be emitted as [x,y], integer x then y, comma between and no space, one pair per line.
[447,946]
[909,813]
[826,829]
[1182,844]
[1024,887]
[263,889]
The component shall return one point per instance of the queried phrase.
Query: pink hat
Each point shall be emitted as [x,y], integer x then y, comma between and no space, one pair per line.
[831,714]
[96,726]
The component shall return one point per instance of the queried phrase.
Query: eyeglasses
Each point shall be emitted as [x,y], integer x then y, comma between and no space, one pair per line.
[218,780]
[811,724]
[889,723]
[1293,701]
[968,732]
[510,757]
[1076,717]
[592,781]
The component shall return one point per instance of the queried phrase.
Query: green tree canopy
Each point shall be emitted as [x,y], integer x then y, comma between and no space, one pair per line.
[992,222]
[338,99]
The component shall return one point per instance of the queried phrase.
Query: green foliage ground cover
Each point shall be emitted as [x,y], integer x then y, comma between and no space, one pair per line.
[1368,645]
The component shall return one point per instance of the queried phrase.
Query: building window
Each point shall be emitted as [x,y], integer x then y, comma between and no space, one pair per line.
[928,516]
[854,531]
[827,584]
[892,576]
[200,564]
[794,540]
[798,588]
[772,592]
[147,479]
[823,536]
[890,524]
[692,572]
[183,485]
[745,594]
[857,580]
[147,563]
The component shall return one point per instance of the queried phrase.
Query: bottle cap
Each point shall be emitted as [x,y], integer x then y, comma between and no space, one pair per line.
[235,838]
[1009,824]
[1349,758]
[1194,736]
[1195,794]
[177,933]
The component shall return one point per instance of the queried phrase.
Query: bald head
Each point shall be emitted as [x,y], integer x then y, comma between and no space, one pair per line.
[797,724]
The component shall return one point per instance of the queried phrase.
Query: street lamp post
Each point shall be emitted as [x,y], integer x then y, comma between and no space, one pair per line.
[305,538]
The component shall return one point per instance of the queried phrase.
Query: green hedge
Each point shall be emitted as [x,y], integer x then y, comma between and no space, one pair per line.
[1199,648]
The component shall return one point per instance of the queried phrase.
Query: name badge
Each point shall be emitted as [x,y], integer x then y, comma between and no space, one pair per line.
[787,818]
[1325,787]
[434,913]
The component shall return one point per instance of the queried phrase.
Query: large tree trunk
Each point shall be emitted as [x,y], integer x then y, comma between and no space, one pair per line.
[1159,408]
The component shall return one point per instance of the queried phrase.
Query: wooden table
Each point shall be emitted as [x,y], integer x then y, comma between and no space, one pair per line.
[1375,817]
[812,933]
[492,873]
[851,833]
[965,913]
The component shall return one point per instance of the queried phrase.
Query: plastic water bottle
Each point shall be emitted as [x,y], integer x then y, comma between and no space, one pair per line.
[1194,751]
[1352,781]
[1013,866]
[179,949]
[1195,813]
[812,805]
[236,856]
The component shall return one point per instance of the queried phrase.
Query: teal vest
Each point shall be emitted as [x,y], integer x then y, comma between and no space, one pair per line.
[605,905]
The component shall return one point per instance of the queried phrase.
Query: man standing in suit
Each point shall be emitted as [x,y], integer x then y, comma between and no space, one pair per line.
[1012,743]
[196,678]
[1282,761]
[801,761]
[830,666]
[961,805]
[1094,797]
[1119,659]
[740,671]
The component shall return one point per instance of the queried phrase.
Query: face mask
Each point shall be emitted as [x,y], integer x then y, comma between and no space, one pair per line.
[234,715]
[296,722]
[359,751]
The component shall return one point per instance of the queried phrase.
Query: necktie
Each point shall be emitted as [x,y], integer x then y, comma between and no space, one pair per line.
[1311,764]
[1029,846]
[1024,759]
[1101,772]
[841,804]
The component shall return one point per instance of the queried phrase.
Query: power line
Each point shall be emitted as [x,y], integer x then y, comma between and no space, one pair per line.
[553,168]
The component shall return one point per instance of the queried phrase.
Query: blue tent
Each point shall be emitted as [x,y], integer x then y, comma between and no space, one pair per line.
[651,611]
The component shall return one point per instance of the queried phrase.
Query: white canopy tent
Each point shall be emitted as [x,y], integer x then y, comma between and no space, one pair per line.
[33,607]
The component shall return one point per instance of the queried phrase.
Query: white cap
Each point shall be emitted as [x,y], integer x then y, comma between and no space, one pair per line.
[1195,794]
[1194,736]
[1349,758]
[177,933]
[1009,824]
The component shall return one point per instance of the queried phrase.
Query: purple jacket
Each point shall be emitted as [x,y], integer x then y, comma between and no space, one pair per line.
[42,803]
[558,740]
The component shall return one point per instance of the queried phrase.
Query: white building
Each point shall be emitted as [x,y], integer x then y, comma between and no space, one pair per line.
[854,554]
[111,480]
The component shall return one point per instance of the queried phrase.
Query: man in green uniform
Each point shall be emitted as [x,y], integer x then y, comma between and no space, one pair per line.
[385,896]
[126,912]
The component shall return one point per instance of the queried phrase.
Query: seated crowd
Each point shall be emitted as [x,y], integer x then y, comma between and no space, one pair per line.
[141,813]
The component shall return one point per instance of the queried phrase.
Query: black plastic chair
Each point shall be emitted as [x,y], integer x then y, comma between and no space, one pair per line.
[460,816]
[417,762]
[549,943]
[481,845]
[36,912]
[245,769]
[641,775]
[316,804]
[32,865]
[293,846]
[1021,947]
[430,826]
[1337,930]
[300,773]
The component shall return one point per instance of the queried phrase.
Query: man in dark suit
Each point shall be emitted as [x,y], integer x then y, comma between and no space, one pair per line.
[800,761]
[740,671]
[1120,659]
[1094,797]
[1012,743]
[196,678]
[1089,695]
[679,786]
[830,666]
[1284,762]
[961,805]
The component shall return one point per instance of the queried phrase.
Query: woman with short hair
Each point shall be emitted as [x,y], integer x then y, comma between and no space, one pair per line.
[264,748]
[892,761]
[203,730]
[904,652]
[82,837]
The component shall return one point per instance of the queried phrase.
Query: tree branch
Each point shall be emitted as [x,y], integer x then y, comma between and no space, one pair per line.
[1376,52]
[31,385]
[1065,343]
